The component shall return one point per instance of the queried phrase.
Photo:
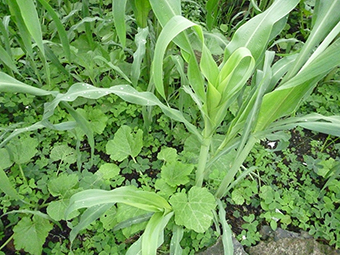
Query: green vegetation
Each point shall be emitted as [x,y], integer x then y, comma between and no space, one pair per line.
[132,127]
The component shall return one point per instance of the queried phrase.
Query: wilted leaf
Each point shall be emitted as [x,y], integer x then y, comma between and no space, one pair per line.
[194,211]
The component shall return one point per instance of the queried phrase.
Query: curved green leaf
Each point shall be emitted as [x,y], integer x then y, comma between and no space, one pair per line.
[145,200]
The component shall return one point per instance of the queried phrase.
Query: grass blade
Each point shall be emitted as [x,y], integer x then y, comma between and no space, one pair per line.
[288,96]
[175,247]
[9,84]
[173,28]
[60,27]
[256,33]
[118,11]
[227,235]
[23,32]
[139,54]
[7,60]
[6,186]
[153,236]
[327,16]
[212,11]
[30,17]
[90,215]
[144,200]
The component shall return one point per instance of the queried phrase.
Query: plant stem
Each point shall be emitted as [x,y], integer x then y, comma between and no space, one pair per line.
[202,161]
[240,158]
[22,174]
[8,240]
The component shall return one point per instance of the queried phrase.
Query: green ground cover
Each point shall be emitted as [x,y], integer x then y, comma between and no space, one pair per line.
[151,127]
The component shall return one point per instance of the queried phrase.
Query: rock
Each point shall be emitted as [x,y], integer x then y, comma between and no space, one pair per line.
[217,249]
[291,246]
[284,242]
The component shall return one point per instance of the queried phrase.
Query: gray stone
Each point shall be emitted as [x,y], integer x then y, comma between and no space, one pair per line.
[291,246]
[217,249]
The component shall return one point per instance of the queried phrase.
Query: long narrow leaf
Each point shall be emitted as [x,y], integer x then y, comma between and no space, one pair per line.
[7,60]
[147,201]
[153,236]
[60,27]
[227,236]
[7,187]
[90,215]
[288,96]
[173,28]
[24,34]
[9,84]
[177,235]
[138,55]
[125,92]
[118,11]
[327,16]
[256,33]
[30,16]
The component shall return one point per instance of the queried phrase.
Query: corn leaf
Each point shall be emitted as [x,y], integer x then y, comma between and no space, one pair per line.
[145,200]
[153,236]
[60,27]
[287,97]
[256,33]
[90,215]
[118,11]
[327,16]
[173,28]
[30,17]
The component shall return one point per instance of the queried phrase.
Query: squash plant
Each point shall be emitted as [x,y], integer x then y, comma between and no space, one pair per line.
[265,93]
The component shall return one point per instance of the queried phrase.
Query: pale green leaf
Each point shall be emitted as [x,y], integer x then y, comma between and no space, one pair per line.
[90,215]
[56,209]
[167,154]
[257,32]
[108,171]
[31,19]
[23,149]
[129,195]
[175,246]
[96,118]
[141,11]
[173,28]
[7,60]
[109,219]
[194,210]
[176,173]
[124,214]
[60,28]
[62,185]
[7,187]
[9,84]
[30,234]
[118,11]
[125,143]
[227,236]
[64,153]
[138,55]
[5,159]
[153,236]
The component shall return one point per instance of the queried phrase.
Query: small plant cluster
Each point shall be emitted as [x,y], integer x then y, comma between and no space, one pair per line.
[131,126]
